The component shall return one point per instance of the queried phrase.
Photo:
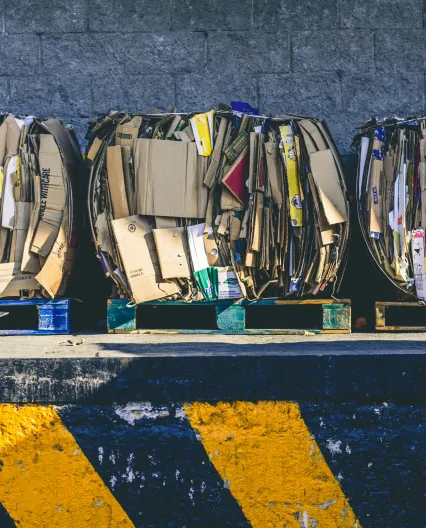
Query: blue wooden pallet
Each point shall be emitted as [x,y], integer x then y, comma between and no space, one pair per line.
[333,317]
[49,317]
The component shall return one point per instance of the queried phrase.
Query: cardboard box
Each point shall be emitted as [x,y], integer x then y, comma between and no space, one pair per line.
[136,245]
[170,179]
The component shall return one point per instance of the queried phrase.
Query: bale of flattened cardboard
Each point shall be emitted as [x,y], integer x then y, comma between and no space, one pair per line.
[39,162]
[224,204]
[391,199]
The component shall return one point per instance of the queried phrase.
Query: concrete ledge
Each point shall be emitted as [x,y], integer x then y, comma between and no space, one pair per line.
[164,369]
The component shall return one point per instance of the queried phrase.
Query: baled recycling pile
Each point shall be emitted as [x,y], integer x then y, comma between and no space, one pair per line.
[40,163]
[218,205]
[391,196]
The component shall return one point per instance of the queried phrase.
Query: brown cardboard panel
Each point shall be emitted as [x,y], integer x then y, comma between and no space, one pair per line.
[228,202]
[116,183]
[59,262]
[312,136]
[258,223]
[126,156]
[330,191]
[211,249]
[275,171]
[216,155]
[94,149]
[53,196]
[164,222]
[126,135]
[136,245]
[30,262]
[172,250]
[22,222]
[169,179]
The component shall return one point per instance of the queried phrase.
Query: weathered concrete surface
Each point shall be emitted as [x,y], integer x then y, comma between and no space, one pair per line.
[161,345]
[262,464]
[197,431]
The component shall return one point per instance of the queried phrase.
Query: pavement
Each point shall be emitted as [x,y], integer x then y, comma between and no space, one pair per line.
[92,345]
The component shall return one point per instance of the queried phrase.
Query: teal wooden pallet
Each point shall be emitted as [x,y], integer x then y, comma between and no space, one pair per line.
[224,317]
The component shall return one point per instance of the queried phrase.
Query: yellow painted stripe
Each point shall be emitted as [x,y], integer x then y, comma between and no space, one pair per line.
[45,479]
[274,468]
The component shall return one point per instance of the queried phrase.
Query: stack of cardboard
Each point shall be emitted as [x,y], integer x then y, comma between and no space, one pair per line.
[218,205]
[391,197]
[39,159]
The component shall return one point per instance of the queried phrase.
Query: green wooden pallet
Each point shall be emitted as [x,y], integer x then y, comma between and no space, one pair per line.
[310,316]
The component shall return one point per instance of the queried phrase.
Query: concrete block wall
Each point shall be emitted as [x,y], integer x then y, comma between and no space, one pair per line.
[342,60]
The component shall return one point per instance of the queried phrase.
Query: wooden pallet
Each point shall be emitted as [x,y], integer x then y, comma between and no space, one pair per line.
[400,317]
[35,317]
[311,316]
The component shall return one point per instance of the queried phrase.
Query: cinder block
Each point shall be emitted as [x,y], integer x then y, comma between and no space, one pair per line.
[136,93]
[375,14]
[128,15]
[346,50]
[303,14]
[248,52]
[19,54]
[83,54]
[200,92]
[42,16]
[383,95]
[306,94]
[402,50]
[199,15]
[51,96]
[168,53]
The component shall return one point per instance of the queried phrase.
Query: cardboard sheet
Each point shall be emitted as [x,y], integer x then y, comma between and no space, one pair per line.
[229,287]
[169,179]
[8,202]
[23,213]
[296,206]
[327,181]
[59,262]
[172,250]
[30,262]
[53,196]
[12,281]
[103,235]
[136,245]
[275,171]
[117,187]
[235,179]
[418,254]
[197,249]
[376,197]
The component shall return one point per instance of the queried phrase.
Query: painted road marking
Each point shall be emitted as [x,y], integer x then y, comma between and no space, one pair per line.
[45,479]
[273,466]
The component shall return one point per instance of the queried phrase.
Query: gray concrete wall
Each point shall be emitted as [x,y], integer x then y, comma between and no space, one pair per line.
[342,60]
